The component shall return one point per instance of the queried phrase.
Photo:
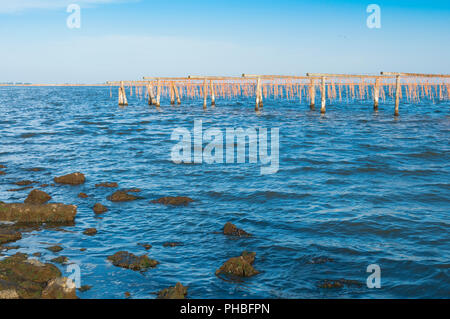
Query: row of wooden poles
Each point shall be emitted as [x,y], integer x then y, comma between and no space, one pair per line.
[262,86]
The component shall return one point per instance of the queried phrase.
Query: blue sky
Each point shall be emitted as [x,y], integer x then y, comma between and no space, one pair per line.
[130,39]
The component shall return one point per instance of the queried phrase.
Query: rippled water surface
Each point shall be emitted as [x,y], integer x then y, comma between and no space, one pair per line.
[354,186]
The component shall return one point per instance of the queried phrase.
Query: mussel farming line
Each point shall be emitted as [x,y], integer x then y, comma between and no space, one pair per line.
[413,87]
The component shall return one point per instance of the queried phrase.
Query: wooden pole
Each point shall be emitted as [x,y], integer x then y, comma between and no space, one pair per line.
[397,94]
[151,98]
[312,94]
[158,94]
[172,94]
[177,94]
[205,93]
[323,95]
[376,94]
[260,96]
[213,95]
[258,86]
[122,95]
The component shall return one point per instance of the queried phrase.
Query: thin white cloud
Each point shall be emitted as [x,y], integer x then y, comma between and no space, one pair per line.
[15,6]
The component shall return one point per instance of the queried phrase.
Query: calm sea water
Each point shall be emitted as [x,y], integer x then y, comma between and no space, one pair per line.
[354,186]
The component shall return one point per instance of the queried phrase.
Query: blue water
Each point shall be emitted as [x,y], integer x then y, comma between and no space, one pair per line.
[354,186]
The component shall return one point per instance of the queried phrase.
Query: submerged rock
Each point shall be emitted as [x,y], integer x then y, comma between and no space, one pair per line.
[2,166]
[90,232]
[174,201]
[19,189]
[99,209]
[231,230]
[121,196]
[320,260]
[83,195]
[107,185]
[239,266]
[146,246]
[85,288]
[30,213]
[25,183]
[339,283]
[172,244]
[177,292]
[2,173]
[128,260]
[71,179]
[60,260]
[25,278]
[37,197]
[55,249]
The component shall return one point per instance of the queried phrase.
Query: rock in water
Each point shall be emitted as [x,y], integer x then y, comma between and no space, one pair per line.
[175,201]
[121,196]
[339,283]
[25,183]
[37,197]
[99,209]
[177,292]
[90,232]
[128,260]
[60,260]
[83,195]
[25,278]
[231,230]
[172,244]
[9,236]
[55,248]
[30,213]
[60,288]
[107,185]
[239,266]
[71,179]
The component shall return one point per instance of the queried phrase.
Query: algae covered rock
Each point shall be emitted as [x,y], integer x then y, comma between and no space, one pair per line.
[26,278]
[177,292]
[231,230]
[90,232]
[60,260]
[99,209]
[121,196]
[31,213]
[172,244]
[174,201]
[37,197]
[25,183]
[71,179]
[128,260]
[107,185]
[55,249]
[239,266]
[338,283]
[9,236]
[60,288]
